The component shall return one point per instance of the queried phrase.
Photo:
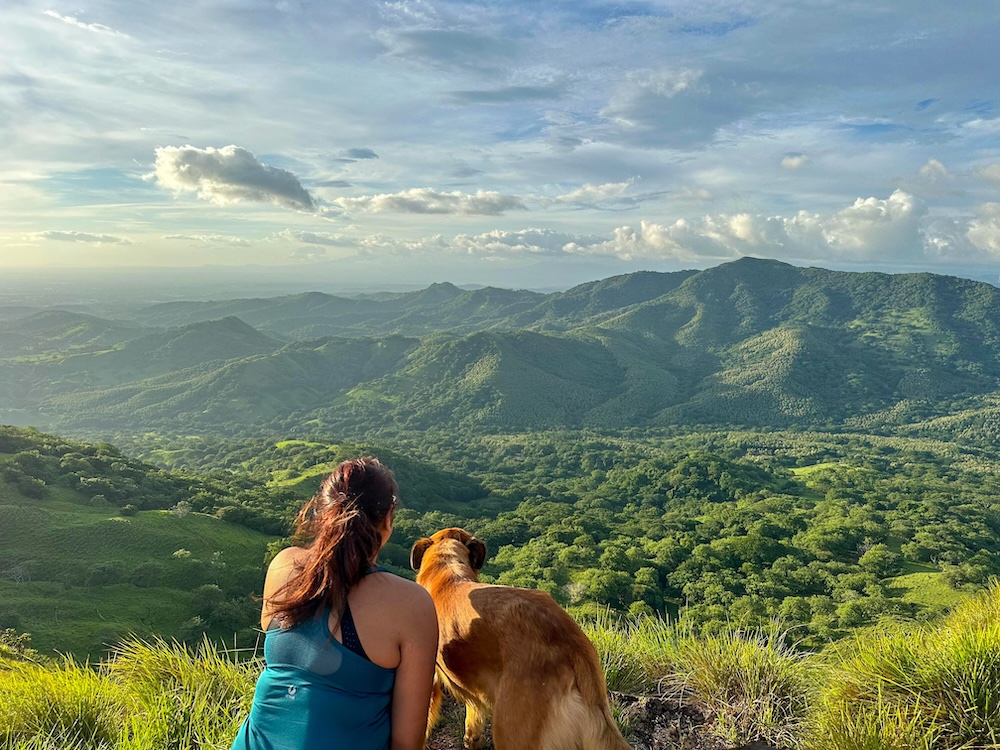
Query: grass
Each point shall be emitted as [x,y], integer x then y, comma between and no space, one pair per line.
[753,684]
[924,688]
[149,696]
[930,687]
[806,471]
[928,590]
[90,576]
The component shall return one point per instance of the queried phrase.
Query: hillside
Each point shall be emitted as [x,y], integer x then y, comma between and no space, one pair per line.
[62,331]
[751,343]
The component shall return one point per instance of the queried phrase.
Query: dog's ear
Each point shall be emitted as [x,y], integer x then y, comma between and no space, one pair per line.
[417,552]
[477,553]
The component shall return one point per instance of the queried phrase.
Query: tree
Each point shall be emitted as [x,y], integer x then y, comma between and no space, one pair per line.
[880,561]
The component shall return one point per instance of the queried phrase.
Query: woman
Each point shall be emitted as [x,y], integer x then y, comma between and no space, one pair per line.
[349,648]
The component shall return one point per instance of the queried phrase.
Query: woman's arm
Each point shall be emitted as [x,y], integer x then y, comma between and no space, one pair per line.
[411,695]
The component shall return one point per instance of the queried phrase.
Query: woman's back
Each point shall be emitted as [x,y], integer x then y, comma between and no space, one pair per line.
[317,693]
[374,692]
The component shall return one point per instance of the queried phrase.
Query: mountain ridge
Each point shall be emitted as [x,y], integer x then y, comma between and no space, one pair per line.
[753,342]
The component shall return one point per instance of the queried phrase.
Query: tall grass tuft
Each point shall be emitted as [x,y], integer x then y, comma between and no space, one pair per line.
[70,706]
[943,681]
[879,726]
[622,657]
[753,685]
[187,698]
[756,686]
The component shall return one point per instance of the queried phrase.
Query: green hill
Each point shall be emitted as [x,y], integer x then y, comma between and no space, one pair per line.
[752,343]
[61,331]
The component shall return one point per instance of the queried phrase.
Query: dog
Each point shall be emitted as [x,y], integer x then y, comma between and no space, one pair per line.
[513,650]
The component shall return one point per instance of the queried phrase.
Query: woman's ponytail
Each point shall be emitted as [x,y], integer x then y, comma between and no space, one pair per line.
[341,527]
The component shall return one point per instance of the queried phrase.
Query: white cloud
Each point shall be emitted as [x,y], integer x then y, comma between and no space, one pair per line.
[888,227]
[794,161]
[984,230]
[934,171]
[97,28]
[218,239]
[991,172]
[308,255]
[228,175]
[97,239]
[314,238]
[870,229]
[429,201]
[590,194]
[524,241]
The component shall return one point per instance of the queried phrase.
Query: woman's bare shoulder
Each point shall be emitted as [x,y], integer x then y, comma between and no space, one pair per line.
[403,591]
[289,557]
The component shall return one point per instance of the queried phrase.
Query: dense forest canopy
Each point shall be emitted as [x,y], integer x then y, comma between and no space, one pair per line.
[751,443]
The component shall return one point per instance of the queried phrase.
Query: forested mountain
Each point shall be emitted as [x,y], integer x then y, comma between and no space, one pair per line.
[62,331]
[751,343]
[750,442]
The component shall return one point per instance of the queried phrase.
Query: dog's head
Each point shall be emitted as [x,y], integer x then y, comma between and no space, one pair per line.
[457,546]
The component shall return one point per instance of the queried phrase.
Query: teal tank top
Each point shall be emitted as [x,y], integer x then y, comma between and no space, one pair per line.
[315,693]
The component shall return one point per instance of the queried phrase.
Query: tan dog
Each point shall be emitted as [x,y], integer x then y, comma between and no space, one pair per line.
[515,650]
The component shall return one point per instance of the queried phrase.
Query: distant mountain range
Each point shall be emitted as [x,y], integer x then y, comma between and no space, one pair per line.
[753,342]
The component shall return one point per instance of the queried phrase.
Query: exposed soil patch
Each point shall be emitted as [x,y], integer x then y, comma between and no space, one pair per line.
[651,723]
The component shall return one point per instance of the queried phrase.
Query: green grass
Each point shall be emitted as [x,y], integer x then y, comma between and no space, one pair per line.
[88,576]
[85,621]
[928,590]
[917,688]
[149,696]
[923,688]
[806,471]
[754,685]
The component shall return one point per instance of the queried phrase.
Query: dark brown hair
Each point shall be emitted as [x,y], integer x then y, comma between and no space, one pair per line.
[340,527]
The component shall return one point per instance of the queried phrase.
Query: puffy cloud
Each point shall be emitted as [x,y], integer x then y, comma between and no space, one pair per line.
[887,227]
[209,239]
[590,194]
[314,238]
[360,153]
[934,171]
[524,241]
[429,201]
[984,230]
[228,175]
[682,240]
[97,239]
[794,161]
[869,229]
[991,172]
[97,28]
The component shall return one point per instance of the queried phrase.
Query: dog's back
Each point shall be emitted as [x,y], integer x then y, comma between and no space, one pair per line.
[516,650]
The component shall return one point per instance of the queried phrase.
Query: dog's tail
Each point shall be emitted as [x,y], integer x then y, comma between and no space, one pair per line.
[609,736]
[575,723]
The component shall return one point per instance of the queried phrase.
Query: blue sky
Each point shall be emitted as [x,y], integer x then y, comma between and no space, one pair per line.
[474,139]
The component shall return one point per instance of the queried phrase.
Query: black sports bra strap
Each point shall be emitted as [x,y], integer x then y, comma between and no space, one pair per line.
[349,633]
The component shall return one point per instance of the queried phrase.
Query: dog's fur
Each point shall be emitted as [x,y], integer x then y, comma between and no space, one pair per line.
[514,650]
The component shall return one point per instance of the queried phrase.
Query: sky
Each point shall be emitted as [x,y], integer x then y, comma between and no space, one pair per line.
[531,142]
